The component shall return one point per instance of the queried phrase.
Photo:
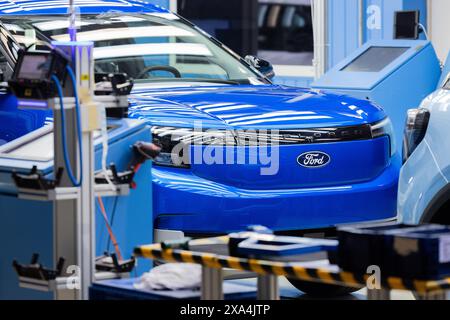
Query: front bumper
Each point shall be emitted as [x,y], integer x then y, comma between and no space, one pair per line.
[188,203]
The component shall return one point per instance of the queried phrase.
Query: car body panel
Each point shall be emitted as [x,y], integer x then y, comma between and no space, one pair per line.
[195,205]
[427,171]
[252,107]
[344,166]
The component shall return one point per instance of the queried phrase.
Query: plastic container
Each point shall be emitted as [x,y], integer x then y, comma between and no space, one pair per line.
[360,248]
[424,254]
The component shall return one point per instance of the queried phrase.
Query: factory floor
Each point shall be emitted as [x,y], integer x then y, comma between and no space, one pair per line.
[287,291]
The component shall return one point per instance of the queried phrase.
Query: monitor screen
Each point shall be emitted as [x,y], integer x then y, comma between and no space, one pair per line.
[34,67]
[406,25]
[375,59]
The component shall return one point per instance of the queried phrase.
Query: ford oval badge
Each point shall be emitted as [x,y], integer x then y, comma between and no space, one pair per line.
[313,159]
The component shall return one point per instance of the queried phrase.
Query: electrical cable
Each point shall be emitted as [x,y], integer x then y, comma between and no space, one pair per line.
[75,182]
[109,228]
[104,135]
[113,214]
[421,26]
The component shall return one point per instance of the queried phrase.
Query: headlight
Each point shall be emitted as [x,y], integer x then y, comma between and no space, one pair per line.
[385,128]
[416,127]
[175,142]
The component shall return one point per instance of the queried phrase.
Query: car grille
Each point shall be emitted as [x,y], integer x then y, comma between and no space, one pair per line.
[261,137]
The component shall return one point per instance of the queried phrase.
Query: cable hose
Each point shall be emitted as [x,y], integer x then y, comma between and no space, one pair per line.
[75,182]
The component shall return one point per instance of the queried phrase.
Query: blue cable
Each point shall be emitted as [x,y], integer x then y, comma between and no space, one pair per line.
[63,128]
[78,112]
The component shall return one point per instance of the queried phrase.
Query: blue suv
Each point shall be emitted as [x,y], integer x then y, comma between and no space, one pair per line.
[237,150]
[424,188]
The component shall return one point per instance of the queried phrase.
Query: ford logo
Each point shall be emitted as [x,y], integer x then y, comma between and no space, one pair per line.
[313,159]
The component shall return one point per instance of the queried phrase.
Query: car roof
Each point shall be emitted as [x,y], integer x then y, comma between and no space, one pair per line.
[44,7]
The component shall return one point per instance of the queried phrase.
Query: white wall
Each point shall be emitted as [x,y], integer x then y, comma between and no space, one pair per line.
[439,26]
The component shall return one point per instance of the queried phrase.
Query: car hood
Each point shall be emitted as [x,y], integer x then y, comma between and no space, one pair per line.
[249,107]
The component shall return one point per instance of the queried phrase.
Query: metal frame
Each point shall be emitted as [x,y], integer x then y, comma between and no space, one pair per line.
[378,294]
[268,288]
[319,271]
[212,284]
[319,11]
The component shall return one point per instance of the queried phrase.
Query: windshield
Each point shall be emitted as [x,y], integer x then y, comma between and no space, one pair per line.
[147,47]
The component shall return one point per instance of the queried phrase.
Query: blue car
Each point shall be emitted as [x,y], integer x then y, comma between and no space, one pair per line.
[237,150]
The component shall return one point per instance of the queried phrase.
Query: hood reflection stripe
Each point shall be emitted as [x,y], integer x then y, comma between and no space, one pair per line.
[279,119]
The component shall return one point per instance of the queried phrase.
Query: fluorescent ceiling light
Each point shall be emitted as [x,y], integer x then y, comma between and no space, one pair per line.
[128,19]
[151,49]
[39,5]
[168,16]
[125,33]
[57,24]
[13,27]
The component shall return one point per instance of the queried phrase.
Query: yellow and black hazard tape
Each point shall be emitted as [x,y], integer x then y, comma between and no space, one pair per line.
[288,269]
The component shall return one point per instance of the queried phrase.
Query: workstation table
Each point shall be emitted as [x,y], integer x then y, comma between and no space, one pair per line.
[212,255]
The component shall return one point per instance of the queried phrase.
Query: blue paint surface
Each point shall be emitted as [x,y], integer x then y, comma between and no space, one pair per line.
[425,176]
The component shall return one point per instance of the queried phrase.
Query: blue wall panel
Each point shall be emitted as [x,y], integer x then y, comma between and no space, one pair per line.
[378,23]
[420,5]
[162,3]
[302,82]
[379,18]
[343,21]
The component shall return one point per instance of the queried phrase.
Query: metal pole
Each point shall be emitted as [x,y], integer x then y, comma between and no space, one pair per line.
[173,5]
[432,296]
[319,15]
[66,214]
[75,219]
[87,240]
[378,294]
[72,21]
[268,287]
[87,226]
[212,281]
[361,23]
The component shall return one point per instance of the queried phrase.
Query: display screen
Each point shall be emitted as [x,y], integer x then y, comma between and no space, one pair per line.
[34,67]
[375,59]
[406,25]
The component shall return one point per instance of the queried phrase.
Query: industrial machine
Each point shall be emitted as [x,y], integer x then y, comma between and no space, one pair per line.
[58,183]
[27,224]
[397,75]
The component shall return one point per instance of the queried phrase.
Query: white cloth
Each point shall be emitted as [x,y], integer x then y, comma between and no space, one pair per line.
[171,276]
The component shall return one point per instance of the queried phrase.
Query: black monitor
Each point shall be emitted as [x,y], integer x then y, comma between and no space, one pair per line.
[406,25]
[32,76]
[35,66]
